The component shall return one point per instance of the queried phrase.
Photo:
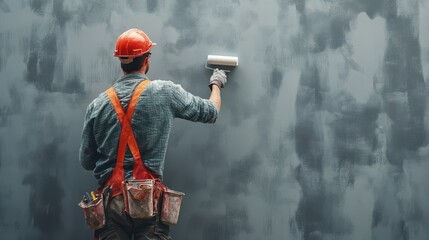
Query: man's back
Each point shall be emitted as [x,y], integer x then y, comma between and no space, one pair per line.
[152,120]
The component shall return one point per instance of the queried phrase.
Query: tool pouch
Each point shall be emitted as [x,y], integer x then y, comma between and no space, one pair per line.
[138,198]
[94,212]
[171,201]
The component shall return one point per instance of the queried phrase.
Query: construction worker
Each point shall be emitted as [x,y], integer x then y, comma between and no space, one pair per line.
[126,130]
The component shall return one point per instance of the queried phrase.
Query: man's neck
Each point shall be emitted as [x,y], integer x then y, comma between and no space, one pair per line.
[135,72]
[140,71]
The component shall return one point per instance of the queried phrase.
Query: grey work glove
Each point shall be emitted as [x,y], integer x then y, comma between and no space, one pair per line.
[218,78]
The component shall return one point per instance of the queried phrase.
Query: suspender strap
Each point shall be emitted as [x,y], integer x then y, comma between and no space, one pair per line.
[127,138]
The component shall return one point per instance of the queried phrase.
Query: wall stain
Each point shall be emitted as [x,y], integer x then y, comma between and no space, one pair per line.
[42,61]
[38,6]
[4,6]
[242,173]
[184,20]
[60,14]
[46,191]
[309,148]
[152,6]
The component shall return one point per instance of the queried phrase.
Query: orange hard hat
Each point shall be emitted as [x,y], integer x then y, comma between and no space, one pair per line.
[133,43]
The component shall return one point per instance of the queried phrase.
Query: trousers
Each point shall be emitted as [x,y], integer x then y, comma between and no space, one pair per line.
[120,226]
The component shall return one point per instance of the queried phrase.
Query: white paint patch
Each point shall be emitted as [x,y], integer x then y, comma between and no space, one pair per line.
[26,19]
[72,5]
[171,34]
[83,42]
[317,6]
[368,40]
[407,8]
[266,13]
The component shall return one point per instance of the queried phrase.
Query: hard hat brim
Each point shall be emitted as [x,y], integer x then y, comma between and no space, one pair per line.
[133,56]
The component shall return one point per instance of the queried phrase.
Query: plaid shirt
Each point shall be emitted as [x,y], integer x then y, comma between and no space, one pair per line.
[160,103]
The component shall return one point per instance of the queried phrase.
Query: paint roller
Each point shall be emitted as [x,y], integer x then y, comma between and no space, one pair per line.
[217,61]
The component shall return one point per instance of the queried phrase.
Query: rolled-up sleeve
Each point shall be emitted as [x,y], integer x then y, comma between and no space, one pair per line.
[88,153]
[190,107]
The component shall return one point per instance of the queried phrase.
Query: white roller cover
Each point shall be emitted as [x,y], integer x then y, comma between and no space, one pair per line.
[222,60]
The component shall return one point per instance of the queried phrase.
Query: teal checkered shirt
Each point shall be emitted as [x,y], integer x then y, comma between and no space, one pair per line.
[159,104]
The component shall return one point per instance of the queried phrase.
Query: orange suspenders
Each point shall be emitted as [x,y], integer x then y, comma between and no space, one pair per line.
[140,171]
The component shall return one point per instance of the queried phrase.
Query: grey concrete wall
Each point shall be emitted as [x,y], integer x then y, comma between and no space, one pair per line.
[322,134]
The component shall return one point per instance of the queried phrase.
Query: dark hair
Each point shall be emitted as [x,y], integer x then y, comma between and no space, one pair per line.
[135,65]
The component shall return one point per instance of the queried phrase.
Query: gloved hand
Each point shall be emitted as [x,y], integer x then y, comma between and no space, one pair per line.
[218,78]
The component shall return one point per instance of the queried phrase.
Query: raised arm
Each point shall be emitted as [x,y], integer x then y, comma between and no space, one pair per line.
[215,97]
[193,108]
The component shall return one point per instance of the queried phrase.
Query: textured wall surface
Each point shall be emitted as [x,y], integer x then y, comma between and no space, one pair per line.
[322,135]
